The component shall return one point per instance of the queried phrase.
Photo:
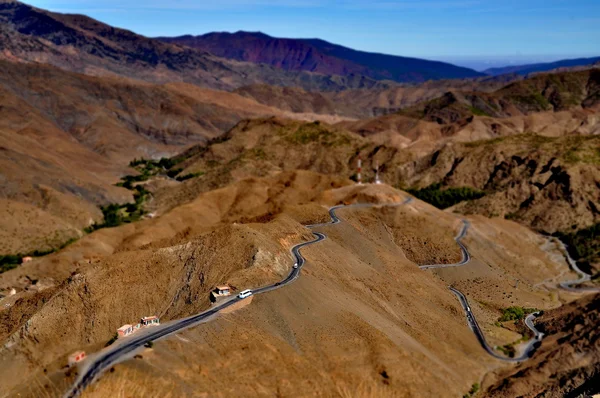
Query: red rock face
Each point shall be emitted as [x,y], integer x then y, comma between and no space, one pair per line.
[319,56]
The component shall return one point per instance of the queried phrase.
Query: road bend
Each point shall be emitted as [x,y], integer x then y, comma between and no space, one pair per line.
[583,276]
[123,349]
[531,345]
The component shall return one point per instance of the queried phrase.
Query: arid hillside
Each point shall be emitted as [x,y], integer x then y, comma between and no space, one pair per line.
[366,103]
[548,183]
[359,305]
[548,104]
[68,138]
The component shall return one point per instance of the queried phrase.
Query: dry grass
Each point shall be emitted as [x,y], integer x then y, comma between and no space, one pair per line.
[366,389]
[129,383]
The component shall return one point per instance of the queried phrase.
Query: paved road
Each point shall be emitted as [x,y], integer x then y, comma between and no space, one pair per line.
[583,277]
[528,350]
[123,349]
[531,345]
[466,256]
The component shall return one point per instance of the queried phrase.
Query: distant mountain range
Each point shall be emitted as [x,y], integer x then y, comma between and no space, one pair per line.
[314,55]
[81,44]
[541,67]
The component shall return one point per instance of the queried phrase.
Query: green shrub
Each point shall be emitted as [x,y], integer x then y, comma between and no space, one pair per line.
[174,172]
[478,112]
[515,313]
[9,262]
[190,175]
[444,198]
[112,340]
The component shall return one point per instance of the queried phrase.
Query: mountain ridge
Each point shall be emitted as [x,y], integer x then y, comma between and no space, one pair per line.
[82,44]
[541,67]
[317,55]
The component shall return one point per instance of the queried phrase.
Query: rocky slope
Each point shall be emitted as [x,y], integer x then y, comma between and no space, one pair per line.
[548,183]
[82,44]
[544,92]
[320,56]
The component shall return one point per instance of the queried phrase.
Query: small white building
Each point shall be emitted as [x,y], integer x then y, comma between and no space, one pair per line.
[125,331]
[150,321]
[222,290]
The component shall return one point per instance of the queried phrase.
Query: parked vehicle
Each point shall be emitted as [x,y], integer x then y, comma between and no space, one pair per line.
[245,293]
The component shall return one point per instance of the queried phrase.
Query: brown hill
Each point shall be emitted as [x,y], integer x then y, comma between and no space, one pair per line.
[67,138]
[82,44]
[546,182]
[544,92]
[320,56]
[365,103]
[549,104]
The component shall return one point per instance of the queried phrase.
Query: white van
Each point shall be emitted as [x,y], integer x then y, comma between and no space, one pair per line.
[295,265]
[245,294]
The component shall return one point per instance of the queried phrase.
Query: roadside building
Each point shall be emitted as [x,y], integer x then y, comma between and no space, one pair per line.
[220,291]
[150,321]
[76,357]
[124,331]
[223,290]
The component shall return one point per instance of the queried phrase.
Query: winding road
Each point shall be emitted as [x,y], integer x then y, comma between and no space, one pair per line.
[527,351]
[531,345]
[583,277]
[125,348]
[466,256]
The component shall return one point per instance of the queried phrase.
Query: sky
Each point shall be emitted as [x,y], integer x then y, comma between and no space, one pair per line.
[474,33]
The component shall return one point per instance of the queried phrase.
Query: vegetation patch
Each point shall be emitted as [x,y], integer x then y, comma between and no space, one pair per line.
[190,175]
[474,389]
[508,350]
[315,132]
[118,214]
[448,197]
[478,112]
[10,261]
[515,313]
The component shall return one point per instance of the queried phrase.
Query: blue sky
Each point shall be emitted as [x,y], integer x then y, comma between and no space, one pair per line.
[469,32]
